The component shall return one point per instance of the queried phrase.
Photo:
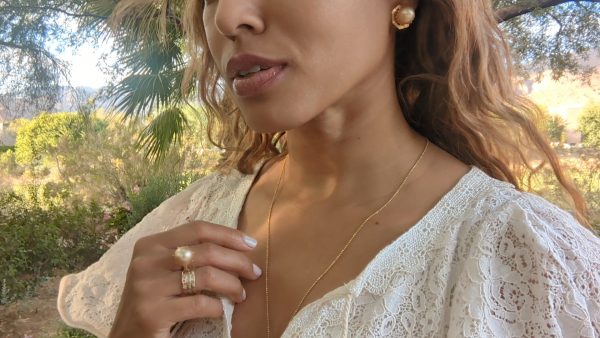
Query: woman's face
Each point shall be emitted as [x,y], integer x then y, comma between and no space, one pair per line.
[332,50]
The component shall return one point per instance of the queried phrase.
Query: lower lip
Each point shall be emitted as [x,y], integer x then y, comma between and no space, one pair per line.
[258,83]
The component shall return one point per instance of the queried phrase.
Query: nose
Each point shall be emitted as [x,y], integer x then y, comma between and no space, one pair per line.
[236,17]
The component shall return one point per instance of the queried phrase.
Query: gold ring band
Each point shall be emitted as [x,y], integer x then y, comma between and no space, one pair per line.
[188,281]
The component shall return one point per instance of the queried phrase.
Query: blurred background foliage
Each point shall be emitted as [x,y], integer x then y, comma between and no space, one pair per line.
[589,122]
[74,183]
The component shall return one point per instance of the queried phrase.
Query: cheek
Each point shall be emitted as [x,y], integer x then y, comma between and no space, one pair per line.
[338,55]
[330,58]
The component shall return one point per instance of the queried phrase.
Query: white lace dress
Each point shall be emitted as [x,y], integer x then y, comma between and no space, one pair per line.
[486,261]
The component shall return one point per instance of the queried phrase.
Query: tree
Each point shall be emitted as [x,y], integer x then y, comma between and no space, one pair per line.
[32,33]
[153,56]
[38,140]
[551,34]
[95,158]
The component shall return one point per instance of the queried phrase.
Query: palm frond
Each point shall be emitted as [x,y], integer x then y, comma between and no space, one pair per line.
[164,131]
[139,94]
[148,37]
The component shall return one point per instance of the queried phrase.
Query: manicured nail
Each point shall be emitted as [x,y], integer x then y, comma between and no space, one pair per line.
[251,242]
[257,270]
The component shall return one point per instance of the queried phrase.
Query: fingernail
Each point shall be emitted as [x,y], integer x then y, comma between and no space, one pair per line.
[243,294]
[257,270]
[251,242]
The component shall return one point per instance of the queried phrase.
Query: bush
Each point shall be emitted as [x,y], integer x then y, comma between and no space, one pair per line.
[555,128]
[82,184]
[144,199]
[41,136]
[34,242]
[69,332]
[8,164]
[4,148]
[40,234]
[589,125]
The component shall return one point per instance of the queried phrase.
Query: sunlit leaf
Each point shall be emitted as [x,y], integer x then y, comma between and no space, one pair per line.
[164,131]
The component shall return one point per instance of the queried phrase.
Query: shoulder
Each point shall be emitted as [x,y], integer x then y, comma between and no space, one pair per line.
[89,299]
[496,207]
[531,269]
[507,213]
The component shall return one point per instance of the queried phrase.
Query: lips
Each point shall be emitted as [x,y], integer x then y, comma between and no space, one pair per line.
[258,83]
[243,62]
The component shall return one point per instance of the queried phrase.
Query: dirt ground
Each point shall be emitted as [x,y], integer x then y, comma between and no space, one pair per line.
[36,317]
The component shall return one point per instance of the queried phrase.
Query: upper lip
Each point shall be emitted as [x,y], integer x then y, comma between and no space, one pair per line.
[242,62]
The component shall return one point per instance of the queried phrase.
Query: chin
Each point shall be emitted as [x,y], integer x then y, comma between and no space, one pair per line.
[261,124]
[265,129]
[264,126]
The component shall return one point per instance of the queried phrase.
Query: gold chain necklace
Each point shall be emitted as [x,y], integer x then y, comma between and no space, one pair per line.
[341,252]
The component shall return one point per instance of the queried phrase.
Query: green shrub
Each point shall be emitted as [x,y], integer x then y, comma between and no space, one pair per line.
[8,164]
[4,148]
[79,184]
[589,125]
[144,199]
[70,332]
[35,241]
[44,195]
[40,234]
[555,128]
[41,136]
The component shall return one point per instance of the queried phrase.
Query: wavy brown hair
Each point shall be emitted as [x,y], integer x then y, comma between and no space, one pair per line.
[454,77]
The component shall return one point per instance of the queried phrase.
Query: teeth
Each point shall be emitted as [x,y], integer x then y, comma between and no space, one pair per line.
[254,69]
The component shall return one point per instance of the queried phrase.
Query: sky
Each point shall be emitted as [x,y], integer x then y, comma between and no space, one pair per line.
[84,68]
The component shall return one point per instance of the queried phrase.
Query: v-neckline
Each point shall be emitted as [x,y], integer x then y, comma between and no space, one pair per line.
[355,285]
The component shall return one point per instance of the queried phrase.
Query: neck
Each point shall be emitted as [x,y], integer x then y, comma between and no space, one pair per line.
[361,144]
[342,152]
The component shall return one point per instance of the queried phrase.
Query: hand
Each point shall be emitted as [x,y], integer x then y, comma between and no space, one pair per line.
[152,299]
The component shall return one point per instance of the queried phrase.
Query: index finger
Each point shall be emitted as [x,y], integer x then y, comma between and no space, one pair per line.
[197,232]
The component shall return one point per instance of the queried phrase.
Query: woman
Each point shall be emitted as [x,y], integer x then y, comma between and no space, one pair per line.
[374,192]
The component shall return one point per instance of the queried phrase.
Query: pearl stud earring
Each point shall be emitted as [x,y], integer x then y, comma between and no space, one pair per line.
[402,16]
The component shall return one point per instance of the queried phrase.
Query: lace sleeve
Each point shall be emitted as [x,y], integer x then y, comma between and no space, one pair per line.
[535,272]
[89,299]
